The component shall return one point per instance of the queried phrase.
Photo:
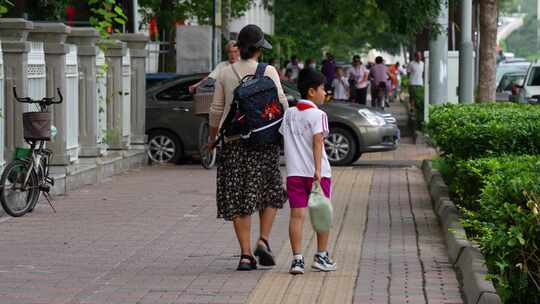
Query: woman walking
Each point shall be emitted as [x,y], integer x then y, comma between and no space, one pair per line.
[358,75]
[248,177]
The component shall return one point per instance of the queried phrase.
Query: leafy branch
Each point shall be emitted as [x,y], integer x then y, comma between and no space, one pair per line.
[108,15]
[4,5]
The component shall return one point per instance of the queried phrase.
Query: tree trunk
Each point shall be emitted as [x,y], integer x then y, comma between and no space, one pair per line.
[488,54]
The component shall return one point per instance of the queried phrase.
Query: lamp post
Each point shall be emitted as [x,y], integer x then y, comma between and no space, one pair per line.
[466,65]
[213,34]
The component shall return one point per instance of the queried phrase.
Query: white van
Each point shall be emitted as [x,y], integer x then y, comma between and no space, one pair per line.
[529,92]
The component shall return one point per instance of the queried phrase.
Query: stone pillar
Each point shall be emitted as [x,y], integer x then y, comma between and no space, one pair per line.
[54,37]
[13,34]
[85,39]
[138,52]
[114,52]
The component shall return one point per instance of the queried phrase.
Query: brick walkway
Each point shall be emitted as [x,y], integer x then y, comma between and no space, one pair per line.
[151,236]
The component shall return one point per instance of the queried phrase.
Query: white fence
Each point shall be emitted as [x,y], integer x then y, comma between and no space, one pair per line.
[37,86]
[37,67]
[126,85]
[101,95]
[71,99]
[152,61]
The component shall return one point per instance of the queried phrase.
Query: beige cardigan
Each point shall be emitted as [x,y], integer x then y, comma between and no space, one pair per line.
[227,81]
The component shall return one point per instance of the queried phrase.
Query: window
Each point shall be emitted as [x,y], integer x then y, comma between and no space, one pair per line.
[535,77]
[178,92]
[508,81]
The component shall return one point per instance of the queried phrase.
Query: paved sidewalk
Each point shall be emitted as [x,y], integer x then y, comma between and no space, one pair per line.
[151,236]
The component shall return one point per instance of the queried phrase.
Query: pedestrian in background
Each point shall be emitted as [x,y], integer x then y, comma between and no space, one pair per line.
[248,176]
[329,70]
[378,74]
[311,63]
[393,72]
[295,66]
[358,76]
[340,86]
[233,55]
[416,79]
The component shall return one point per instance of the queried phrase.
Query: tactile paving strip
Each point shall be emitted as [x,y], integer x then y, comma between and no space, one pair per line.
[404,258]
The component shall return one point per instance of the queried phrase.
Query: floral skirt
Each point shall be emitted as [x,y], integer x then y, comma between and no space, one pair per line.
[248,179]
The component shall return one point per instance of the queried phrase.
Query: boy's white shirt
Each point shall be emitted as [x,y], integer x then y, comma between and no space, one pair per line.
[298,128]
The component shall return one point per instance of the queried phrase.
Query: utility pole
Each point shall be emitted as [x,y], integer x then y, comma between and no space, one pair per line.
[214,50]
[466,61]
[438,60]
[538,24]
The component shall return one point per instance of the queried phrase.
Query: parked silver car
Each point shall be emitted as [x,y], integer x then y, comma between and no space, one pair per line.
[173,129]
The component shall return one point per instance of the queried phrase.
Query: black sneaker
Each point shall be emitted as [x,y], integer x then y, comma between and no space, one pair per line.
[323,263]
[297,266]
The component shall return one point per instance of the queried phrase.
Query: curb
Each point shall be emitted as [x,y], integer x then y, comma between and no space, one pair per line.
[465,257]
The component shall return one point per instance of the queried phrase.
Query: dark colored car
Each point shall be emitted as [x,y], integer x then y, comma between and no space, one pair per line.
[173,129]
[171,126]
[354,129]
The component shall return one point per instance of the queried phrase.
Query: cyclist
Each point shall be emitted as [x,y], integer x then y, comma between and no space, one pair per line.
[379,75]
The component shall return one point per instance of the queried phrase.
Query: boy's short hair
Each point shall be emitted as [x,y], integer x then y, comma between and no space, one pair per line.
[309,79]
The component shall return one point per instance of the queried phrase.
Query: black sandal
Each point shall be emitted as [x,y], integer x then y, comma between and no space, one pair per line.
[246,266]
[264,253]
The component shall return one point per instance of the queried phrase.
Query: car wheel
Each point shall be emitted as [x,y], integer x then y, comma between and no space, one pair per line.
[164,147]
[357,156]
[340,147]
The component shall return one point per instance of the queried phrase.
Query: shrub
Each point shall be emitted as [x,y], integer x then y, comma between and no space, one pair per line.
[506,225]
[480,130]
[468,178]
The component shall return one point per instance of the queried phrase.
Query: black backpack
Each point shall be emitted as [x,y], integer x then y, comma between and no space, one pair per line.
[256,113]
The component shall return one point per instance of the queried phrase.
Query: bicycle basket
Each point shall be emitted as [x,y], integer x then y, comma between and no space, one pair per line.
[203,97]
[37,125]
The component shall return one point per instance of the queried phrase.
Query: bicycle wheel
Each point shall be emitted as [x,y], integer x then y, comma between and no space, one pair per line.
[208,158]
[17,198]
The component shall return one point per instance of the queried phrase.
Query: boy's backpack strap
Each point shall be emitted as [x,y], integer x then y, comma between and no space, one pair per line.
[261,67]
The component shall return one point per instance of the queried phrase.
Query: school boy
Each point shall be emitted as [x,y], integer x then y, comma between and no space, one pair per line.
[304,128]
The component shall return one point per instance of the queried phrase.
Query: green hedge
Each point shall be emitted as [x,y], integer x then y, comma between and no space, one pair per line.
[490,129]
[504,220]
[491,161]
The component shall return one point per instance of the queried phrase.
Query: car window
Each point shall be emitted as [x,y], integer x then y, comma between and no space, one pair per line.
[534,79]
[510,80]
[178,92]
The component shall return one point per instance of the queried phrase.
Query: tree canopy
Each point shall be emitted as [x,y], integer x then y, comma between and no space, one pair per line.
[168,12]
[349,26]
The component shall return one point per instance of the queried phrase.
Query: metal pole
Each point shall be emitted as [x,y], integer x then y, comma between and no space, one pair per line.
[477,44]
[466,61]
[438,60]
[538,26]
[213,34]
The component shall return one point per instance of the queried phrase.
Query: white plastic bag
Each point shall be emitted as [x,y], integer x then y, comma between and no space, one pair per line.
[320,209]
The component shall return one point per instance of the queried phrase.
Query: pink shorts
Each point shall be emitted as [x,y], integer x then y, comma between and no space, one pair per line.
[299,188]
